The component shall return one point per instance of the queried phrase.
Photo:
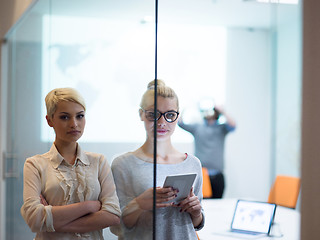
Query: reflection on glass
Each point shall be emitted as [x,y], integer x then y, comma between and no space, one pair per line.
[246,55]
[105,65]
[100,64]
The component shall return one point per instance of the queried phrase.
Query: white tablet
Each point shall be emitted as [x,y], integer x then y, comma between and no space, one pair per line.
[182,182]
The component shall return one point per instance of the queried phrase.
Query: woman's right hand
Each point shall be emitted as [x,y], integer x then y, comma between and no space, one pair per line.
[43,201]
[163,195]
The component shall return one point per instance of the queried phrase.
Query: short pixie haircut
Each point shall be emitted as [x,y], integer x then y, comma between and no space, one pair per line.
[162,91]
[62,94]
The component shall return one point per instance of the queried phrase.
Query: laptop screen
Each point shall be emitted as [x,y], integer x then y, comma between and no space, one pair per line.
[253,216]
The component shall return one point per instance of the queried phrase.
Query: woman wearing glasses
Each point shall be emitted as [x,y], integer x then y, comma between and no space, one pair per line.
[68,193]
[133,174]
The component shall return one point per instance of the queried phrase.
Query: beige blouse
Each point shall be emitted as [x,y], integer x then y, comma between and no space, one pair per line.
[89,178]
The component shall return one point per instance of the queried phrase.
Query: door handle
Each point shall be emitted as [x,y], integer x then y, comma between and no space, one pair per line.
[10,165]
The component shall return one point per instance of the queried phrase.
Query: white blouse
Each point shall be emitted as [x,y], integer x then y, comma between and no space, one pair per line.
[89,178]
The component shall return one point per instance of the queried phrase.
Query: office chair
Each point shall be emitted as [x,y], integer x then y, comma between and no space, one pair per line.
[285,191]
[206,184]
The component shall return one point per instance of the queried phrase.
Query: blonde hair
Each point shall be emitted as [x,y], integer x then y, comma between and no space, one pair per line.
[62,94]
[162,91]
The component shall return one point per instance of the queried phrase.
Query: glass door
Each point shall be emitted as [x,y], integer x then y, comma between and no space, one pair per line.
[24,48]
[106,50]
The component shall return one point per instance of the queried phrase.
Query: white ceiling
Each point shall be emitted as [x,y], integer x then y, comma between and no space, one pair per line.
[235,13]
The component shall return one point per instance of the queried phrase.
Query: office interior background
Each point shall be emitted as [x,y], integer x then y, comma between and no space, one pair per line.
[247,55]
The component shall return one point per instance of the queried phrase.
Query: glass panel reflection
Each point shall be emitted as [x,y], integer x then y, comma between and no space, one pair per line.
[244,55]
[23,116]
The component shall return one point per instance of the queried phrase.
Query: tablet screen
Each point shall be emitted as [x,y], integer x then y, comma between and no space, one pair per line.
[182,182]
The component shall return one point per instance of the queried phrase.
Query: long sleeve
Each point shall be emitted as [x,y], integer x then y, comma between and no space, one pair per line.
[60,183]
[133,176]
[188,127]
[108,196]
[37,216]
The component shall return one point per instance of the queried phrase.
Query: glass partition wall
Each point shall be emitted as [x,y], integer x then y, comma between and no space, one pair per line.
[23,111]
[244,55]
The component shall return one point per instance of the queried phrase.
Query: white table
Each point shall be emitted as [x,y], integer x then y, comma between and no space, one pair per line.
[219,213]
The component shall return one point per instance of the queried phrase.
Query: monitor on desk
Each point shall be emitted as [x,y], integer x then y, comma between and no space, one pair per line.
[253,217]
[219,215]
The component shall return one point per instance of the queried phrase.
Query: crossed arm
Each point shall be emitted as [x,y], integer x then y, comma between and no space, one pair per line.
[78,217]
[81,217]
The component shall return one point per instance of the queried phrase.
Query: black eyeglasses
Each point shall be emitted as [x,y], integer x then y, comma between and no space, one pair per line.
[169,116]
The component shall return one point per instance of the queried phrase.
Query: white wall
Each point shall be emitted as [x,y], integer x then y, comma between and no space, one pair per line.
[288,91]
[248,100]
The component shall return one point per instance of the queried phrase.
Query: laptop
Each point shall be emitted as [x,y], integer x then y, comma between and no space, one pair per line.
[251,219]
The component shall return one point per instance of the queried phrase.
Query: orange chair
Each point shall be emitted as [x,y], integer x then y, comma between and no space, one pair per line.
[206,184]
[285,191]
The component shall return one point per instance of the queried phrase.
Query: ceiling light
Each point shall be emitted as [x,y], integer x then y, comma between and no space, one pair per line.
[275,1]
[279,1]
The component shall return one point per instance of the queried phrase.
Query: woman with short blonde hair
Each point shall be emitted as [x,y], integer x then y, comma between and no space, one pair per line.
[68,193]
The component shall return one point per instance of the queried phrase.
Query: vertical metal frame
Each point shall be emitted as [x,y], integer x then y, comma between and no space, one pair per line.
[155,123]
[3,124]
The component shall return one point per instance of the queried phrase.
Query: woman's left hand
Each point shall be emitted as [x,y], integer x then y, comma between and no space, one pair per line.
[191,205]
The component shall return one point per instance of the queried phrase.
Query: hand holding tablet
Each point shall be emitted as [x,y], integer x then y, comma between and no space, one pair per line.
[182,182]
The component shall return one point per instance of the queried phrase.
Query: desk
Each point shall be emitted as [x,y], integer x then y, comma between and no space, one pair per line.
[219,213]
